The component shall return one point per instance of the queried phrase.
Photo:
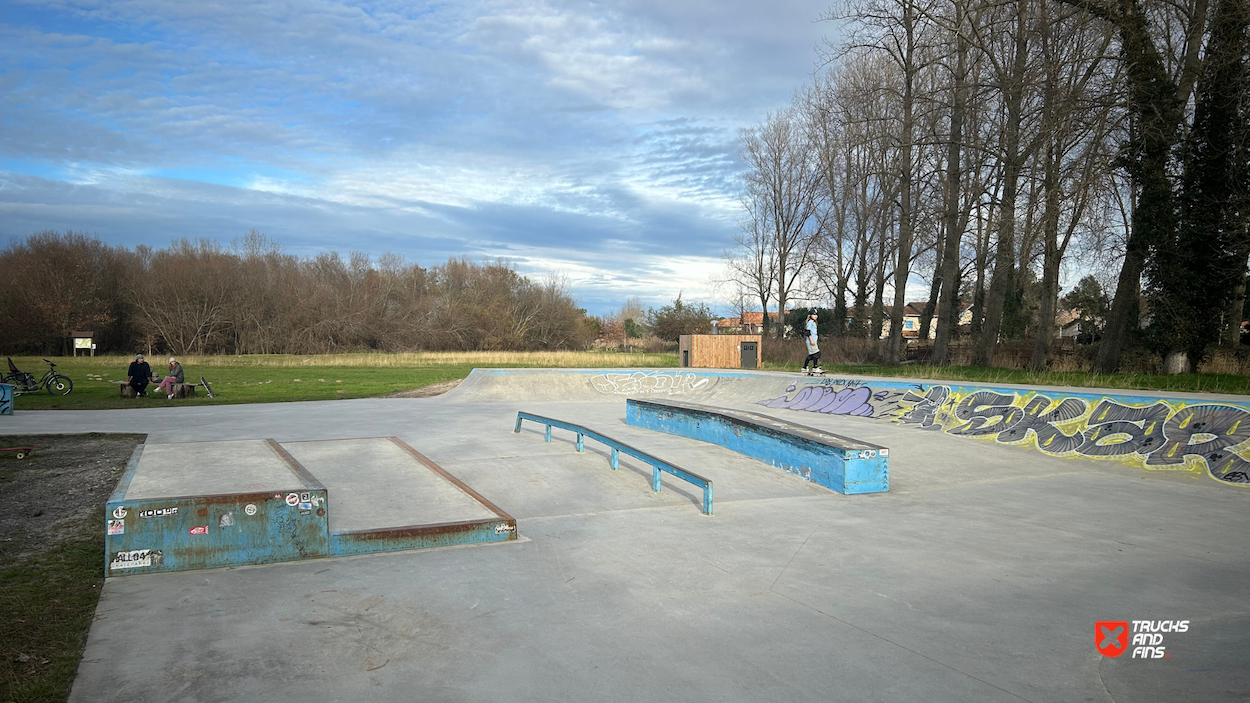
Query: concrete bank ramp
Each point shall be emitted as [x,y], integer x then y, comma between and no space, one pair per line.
[1195,433]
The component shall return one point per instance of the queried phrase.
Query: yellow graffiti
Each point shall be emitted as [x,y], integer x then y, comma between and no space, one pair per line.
[1233,430]
[1185,422]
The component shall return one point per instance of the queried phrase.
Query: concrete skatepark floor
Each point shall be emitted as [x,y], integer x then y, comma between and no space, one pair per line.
[978,577]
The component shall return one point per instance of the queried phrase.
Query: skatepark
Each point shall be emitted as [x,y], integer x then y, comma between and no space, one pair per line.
[1007,529]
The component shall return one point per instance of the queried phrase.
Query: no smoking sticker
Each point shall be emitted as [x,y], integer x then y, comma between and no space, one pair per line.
[292,499]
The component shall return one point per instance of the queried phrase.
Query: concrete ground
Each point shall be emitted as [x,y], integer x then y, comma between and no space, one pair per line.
[978,577]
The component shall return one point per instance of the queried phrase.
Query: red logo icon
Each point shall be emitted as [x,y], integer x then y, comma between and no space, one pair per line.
[1111,637]
[202,530]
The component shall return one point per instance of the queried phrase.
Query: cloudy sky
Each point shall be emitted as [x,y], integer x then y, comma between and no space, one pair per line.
[595,140]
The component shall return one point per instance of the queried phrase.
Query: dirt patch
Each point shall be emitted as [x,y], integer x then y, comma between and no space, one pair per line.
[426,391]
[56,494]
[52,555]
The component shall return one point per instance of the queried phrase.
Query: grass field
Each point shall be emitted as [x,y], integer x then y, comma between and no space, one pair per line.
[283,378]
[280,378]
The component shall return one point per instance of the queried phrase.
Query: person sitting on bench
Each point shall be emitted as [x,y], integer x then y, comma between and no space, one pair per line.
[139,375]
[174,376]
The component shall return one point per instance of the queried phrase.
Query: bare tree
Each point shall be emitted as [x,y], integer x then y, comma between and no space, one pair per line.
[783,189]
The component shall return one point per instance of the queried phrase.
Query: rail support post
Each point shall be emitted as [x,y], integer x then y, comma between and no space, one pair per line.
[518,423]
[548,433]
[579,441]
[616,459]
[655,479]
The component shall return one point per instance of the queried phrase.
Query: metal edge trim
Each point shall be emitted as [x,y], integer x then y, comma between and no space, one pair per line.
[457,482]
[296,468]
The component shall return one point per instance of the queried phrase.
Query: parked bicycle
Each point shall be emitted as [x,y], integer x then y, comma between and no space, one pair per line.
[25,382]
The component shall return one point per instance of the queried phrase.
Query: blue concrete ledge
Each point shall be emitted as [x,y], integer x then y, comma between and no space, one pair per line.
[840,463]
[181,533]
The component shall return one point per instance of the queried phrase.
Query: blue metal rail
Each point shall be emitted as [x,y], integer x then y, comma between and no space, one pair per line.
[658,465]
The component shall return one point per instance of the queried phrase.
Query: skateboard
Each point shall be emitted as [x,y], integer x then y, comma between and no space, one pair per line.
[19,452]
[815,373]
[207,388]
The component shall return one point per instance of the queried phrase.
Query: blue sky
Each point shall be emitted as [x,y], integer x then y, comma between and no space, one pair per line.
[598,141]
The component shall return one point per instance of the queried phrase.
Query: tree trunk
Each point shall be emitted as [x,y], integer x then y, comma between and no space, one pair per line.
[1232,330]
[935,288]
[948,268]
[1155,105]
[1003,280]
[893,354]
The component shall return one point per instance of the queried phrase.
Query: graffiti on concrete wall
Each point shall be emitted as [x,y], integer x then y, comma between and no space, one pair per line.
[6,399]
[668,382]
[1155,434]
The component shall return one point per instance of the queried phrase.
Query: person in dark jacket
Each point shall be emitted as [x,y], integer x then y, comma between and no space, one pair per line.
[175,376]
[139,375]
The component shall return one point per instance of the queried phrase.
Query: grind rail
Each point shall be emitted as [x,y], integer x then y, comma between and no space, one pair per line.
[657,464]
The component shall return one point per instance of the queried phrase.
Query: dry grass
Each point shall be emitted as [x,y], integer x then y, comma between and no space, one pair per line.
[547,359]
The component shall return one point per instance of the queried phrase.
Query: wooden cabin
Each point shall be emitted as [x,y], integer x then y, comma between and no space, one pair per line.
[720,351]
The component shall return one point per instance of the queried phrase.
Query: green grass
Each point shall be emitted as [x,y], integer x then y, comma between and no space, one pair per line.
[46,606]
[282,378]
[1189,383]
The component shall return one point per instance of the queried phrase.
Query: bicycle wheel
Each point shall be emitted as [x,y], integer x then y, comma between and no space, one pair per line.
[60,385]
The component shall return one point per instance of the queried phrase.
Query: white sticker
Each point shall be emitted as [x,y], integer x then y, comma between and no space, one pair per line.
[117,527]
[119,512]
[137,558]
[250,509]
[226,520]
[292,499]
[885,452]
[502,528]
[158,512]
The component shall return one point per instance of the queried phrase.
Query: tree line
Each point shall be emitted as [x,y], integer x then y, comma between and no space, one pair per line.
[986,146]
[252,298]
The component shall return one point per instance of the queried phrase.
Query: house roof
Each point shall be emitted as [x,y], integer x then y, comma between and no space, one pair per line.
[747,318]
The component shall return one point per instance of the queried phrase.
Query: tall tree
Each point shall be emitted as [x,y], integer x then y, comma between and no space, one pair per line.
[783,180]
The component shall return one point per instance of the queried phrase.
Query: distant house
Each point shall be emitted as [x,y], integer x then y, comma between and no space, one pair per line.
[912,313]
[1067,324]
[747,323]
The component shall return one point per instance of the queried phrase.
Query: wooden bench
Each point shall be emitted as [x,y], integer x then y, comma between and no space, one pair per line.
[181,390]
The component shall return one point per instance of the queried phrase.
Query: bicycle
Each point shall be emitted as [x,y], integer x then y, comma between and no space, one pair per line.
[24,381]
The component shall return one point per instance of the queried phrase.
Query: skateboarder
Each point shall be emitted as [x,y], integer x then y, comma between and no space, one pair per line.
[813,351]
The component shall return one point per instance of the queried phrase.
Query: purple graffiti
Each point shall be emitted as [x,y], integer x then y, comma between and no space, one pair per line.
[823,399]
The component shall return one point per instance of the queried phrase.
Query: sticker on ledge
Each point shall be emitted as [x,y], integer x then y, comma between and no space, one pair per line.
[201,530]
[292,499]
[226,520]
[305,507]
[117,527]
[159,512]
[250,509]
[884,452]
[119,512]
[500,529]
[137,558]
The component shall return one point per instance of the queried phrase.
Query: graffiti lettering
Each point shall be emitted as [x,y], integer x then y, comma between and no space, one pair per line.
[1201,429]
[649,382]
[1115,430]
[926,408]
[1157,435]
[858,401]
[1040,419]
[986,412]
